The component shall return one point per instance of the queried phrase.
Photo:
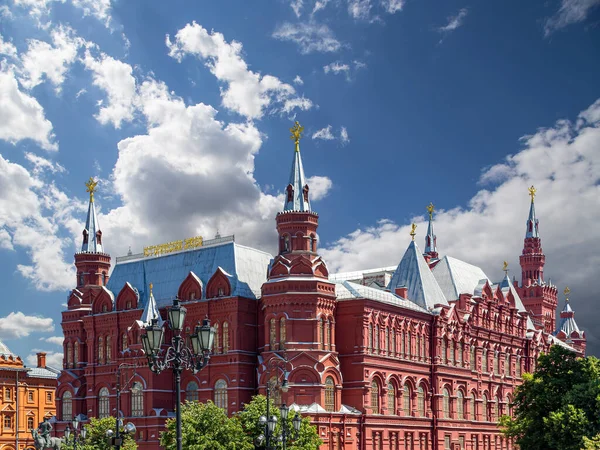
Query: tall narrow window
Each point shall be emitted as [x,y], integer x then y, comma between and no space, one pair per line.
[446,395]
[418,352]
[328,333]
[518,366]
[496,364]
[67,406]
[370,338]
[421,401]
[451,351]
[495,407]
[406,397]
[282,333]
[124,344]
[137,400]
[387,341]
[7,421]
[273,334]
[75,354]
[103,403]
[221,394]
[484,409]
[473,364]
[322,332]
[216,343]
[30,423]
[409,344]
[375,397]
[108,350]
[191,392]
[376,338]
[460,405]
[459,353]
[484,360]
[225,337]
[507,365]
[69,355]
[444,350]
[393,344]
[402,345]
[473,411]
[329,394]
[100,350]
[391,399]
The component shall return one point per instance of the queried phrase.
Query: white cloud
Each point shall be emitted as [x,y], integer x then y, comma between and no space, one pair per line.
[319,187]
[116,79]
[41,164]
[298,81]
[21,116]
[248,93]
[51,61]
[40,9]
[310,37]
[53,359]
[57,340]
[344,138]
[337,68]
[392,6]
[563,163]
[454,21]
[5,240]
[297,7]
[100,9]
[7,48]
[359,9]
[570,12]
[319,5]
[18,325]
[324,134]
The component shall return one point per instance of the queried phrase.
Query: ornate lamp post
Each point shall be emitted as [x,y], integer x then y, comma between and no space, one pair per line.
[77,435]
[178,356]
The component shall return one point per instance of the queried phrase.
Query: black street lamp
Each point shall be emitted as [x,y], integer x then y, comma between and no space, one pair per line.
[178,356]
[115,437]
[78,436]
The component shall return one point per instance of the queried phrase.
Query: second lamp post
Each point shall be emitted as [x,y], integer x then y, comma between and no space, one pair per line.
[77,435]
[178,356]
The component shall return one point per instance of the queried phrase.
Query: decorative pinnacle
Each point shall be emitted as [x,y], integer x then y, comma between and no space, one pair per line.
[413,232]
[567,291]
[505,268]
[430,210]
[150,286]
[297,131]
[91,188]
[532,192]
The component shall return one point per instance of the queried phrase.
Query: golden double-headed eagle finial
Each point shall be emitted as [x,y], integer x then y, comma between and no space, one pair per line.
[150,286]
[567,291]
[505,267]
[91,187]
[430,210]
[297,131]
[532,190]
[413,231]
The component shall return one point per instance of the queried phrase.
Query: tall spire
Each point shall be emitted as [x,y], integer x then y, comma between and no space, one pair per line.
[92,236]
[430,238]
[150,311]
[297,190]
[532,223]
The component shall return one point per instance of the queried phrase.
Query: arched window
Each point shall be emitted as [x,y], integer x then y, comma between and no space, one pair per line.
[406,398]
[75,354]
[191,392]
[473,364]
[103,403]
[444,350]
[391,399]
[225,337]
[216,343]
[375,397]
[69,355]
[67,406]
[221,394]
[329,394]
[328,333]
[100,350]
[495,407]
[507,365]
[446,395]
[376,339]
[137,400]
[484,409]
[108,350]
[322,332]
[124,343]
[370,339]
[273,334]
[313,243]
[282,333]
[460,405]
[473,411]
[421,401]
[286,243]
[484,360]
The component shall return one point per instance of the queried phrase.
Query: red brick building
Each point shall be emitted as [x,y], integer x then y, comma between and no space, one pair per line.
[424,355]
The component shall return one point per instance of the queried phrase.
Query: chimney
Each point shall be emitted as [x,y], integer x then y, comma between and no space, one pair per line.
[401,291]
[41,360]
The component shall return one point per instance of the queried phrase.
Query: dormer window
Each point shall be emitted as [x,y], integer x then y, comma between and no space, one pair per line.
[85,236]
[286,243]
[290,193]
[221,292]
[305,192]
[104,308]
[128,304]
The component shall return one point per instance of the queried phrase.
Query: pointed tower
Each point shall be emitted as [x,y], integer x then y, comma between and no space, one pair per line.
[568,331]
[539,297]
[91,262]
[431,254]
[298,300]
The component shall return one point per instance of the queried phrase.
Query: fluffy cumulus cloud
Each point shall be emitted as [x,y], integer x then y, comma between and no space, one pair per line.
[570,12]
[491,228]
[248,93]
[56,340]
[310,37]
[18,325]
[319,187]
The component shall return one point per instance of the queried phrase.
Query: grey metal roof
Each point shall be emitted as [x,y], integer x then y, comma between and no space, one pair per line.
[430,238]
[414,274]
[47,372]
[457,277]
[247,266]
[346,290]
[4,350]
[567,324]
[298,181]
[532,223]
[92,227]
[150,312]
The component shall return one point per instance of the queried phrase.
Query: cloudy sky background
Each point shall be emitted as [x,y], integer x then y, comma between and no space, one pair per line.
[182,113]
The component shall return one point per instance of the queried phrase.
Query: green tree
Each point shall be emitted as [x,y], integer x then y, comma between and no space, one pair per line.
[558,405]
[308,437]
[205,426]
[96,436]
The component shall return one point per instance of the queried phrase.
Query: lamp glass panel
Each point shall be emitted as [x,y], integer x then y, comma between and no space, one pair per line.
[284,410]
[297,421]
[177,315]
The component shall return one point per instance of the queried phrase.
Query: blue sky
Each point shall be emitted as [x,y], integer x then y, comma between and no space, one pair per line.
[182,110]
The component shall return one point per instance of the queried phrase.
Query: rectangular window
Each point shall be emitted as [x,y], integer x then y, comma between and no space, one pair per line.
[7,395]
[8,421]
[30,396]
[461,442]
[48,397]
[447,442]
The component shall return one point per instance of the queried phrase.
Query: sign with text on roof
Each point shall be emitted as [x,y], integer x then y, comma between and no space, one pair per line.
[175,246]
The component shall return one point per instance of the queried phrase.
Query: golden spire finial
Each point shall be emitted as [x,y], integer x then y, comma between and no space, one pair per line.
[567,291]
[296,131]
[150,286]
[505,268]
[413,232]
[430,210]
[532,192]
[91,187]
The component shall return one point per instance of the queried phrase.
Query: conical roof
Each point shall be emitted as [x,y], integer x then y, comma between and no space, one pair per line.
[91,244]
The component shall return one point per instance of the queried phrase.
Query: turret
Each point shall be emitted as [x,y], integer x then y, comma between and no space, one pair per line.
[431,253]
[568,331]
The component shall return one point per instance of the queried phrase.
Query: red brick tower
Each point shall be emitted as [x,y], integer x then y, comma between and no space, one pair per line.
[568,331]
[298,301]
[539,298]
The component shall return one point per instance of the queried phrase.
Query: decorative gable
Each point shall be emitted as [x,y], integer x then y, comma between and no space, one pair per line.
[219,284]
[191,288]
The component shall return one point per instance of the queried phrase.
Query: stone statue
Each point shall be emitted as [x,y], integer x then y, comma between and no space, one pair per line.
[42,437]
